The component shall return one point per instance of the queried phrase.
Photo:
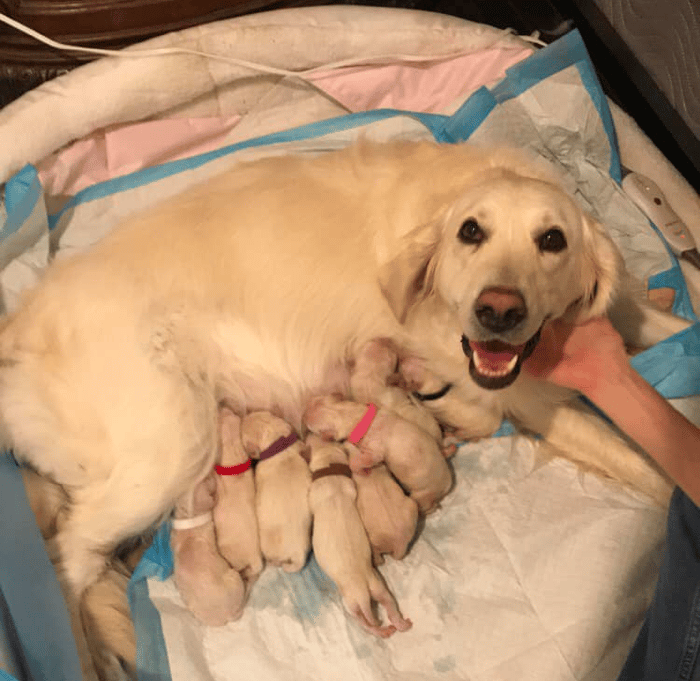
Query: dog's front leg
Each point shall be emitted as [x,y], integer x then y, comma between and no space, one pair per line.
[584,437]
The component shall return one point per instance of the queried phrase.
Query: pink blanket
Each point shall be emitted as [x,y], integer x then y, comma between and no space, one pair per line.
[427,86]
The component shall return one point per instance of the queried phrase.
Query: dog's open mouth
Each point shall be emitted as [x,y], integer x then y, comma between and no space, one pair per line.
[494,364]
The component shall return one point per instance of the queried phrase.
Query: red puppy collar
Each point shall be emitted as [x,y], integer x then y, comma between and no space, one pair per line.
[233,470]
[360,430]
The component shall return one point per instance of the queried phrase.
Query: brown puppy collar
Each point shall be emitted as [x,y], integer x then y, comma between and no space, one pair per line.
[332,469]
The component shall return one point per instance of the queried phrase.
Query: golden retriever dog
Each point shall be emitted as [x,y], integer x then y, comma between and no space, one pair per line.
[213,591]
[389,515]
[235,517]
[256,287]
[282,480]
[340,542]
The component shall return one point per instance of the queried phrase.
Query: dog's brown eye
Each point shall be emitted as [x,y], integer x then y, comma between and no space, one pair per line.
[470,232]
[552,241]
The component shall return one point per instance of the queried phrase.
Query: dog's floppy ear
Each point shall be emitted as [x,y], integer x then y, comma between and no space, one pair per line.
[408,276]
[602,270]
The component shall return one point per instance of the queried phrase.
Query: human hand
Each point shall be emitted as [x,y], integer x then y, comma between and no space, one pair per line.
[584,357]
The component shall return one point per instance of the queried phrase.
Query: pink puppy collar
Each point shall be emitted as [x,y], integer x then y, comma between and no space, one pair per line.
[360,430]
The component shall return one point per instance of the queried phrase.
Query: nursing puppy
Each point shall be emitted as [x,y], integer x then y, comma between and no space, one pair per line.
[390,516]
[282,480]
[235,517]
[268,279]
[438,397]
[340,542]
[212,590]
[412,455]
[373,368]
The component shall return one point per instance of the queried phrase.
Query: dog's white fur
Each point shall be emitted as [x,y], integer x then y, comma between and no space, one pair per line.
[255,289]
[409,452]
[389,515]
[282,489]
[341,545]
[235,517]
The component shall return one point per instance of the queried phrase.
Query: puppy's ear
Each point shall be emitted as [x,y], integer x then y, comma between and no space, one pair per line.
[602,270]
[407,277]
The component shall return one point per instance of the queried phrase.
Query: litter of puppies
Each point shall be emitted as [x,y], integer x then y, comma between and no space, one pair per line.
[352,490]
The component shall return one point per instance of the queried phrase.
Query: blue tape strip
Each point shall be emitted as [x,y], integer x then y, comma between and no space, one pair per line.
[45,645]
[22,192]
[673,365]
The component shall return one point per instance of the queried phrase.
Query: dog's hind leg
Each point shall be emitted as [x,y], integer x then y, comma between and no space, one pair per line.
[158,466]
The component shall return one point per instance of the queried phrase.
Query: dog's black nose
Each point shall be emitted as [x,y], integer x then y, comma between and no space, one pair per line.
[500,309]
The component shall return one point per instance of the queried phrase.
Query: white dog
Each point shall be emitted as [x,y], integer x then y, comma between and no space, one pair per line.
[235,517]
[256,287]
[340,542]
[282,480]
[410,453]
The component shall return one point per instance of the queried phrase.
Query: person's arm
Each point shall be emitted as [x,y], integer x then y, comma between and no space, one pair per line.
[591,358]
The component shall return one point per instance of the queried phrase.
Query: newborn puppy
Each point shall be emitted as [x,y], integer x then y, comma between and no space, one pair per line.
[235,518]
[436,395]
[389,516]
[374,366]
[412,455]
[282,480]
[213,591]
[340,542]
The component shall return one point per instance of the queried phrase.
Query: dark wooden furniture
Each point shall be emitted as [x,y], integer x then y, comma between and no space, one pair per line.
[24,62]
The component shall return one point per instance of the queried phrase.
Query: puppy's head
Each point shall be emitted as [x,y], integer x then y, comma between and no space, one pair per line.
[259,429]
[331,417]
[512,251]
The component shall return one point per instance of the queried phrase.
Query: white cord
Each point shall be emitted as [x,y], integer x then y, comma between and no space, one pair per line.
[253,66]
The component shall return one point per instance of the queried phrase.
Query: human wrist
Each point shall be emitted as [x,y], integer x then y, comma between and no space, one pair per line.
[605,388]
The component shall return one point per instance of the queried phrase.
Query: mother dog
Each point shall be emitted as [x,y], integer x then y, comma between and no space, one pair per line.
[257,288]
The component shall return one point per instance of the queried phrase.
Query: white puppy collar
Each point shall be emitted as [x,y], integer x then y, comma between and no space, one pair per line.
[189,523]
